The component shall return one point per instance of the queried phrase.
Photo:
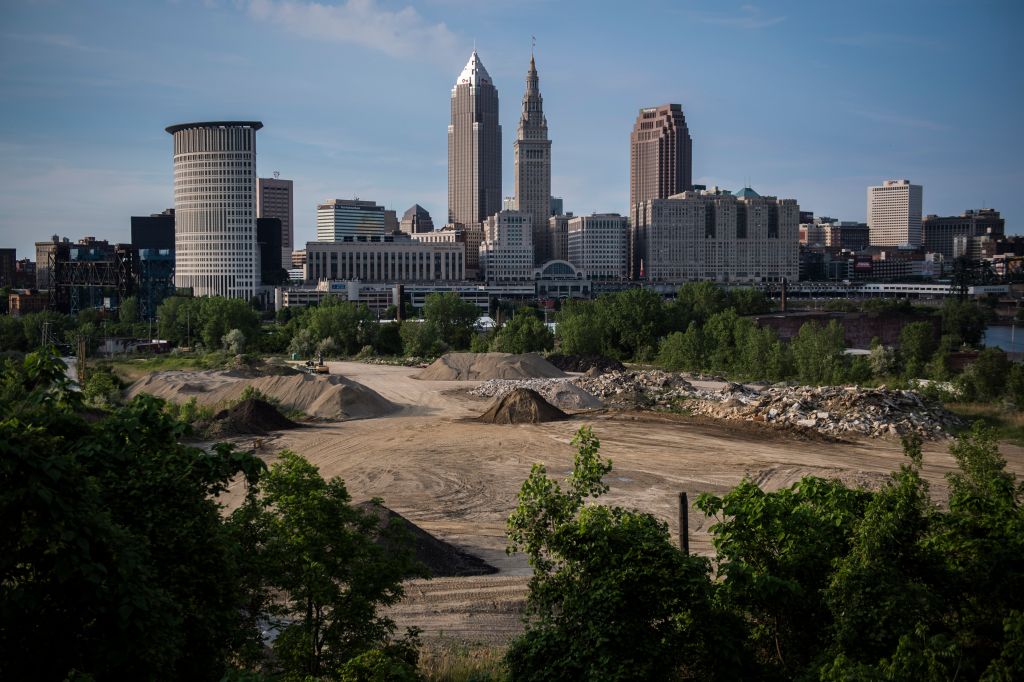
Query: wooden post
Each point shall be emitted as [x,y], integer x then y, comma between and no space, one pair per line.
[684,524]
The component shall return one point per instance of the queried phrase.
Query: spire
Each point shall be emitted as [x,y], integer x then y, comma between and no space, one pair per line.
[474,72]
[532,123]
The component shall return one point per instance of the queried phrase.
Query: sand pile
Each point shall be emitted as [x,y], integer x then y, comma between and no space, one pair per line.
[252,416]
[484,366]
[522,406]
[320,396]
[443,560]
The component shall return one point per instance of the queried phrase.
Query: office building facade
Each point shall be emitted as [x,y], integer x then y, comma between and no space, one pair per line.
[275,198]
[532,152]
[506,253]
[155,231]
[598,245]
[661,154]
[416,219]
[341,218]
[215,208]
[717,236]
[939,233]
[558,236]
[474,147]
[385,258]
[894,213]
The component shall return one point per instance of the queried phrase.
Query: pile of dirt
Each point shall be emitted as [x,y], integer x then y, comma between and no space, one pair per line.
[252,416]
[596,364]
[522,406]
[328,397]
[561,393]
[442,559]
[484,366]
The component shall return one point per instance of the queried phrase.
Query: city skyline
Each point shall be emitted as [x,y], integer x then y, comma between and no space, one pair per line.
[852,101]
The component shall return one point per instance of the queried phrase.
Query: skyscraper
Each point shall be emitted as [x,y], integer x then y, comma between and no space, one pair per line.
[215,208]
[660,155]
[533,165]
[339,219]
[474,147]
[275,199]
[894,213]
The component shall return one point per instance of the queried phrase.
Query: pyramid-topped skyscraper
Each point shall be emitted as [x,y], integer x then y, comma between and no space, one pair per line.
[474,147]
[532,152]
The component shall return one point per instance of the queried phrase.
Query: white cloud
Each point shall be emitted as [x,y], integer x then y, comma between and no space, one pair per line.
[401,33]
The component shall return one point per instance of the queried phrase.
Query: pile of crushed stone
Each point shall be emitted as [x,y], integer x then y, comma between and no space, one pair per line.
[442,559]
[249,417]
[598,364]
[522,406]
[328,397]
[561,393]
[484,366]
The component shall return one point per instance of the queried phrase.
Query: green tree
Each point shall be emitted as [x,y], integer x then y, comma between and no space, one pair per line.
[985,378]
[220,315]
[917,344]
[635,319]
[350,325]
[818,353]
[453,319]
[1015,384]
[748,301]
[320,554]
[524,333]
[701,300]
[581,329]
[774,553]
[963,320]
[129,310]
[234,341]
[684,350]
[420,339]
[611,597]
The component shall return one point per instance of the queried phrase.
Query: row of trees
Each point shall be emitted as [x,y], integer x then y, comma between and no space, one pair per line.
[117,562]
[815,581]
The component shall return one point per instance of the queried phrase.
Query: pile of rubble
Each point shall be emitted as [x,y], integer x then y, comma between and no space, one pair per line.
[832,410]
[633,389]
[562,393]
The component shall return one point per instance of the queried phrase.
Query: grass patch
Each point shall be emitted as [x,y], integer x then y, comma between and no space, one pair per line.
[136,368]
[451,661]
[1009,423]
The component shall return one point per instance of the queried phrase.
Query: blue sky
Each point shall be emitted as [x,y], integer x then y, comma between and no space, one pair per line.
[805,100]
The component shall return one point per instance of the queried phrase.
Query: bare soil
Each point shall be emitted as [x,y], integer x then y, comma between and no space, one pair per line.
[457,478]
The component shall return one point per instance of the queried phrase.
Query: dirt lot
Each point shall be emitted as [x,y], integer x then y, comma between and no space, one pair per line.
[458,478]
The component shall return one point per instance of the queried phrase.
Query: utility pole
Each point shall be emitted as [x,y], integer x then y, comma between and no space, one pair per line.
[684,524]
[81,359]
[45,335]
[188,329]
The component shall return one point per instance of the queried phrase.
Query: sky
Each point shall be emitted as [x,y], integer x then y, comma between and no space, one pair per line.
[807,100]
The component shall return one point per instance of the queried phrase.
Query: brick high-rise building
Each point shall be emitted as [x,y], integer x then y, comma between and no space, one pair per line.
[275,199]
[894,213]
[661,154]
[474,147]
[532,152]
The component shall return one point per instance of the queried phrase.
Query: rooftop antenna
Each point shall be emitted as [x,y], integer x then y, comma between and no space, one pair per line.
[474,44]
[533,44]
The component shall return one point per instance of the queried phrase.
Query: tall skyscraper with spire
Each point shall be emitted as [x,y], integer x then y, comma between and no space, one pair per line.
[474,147]
[533,165]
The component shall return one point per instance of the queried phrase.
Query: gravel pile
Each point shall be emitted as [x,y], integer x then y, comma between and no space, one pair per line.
[584,363]
[562,393]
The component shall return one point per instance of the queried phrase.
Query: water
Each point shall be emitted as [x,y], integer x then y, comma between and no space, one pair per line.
[1009,338]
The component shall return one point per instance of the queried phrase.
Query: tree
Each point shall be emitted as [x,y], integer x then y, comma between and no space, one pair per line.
[581,329]
[524,333]
[452,318]
[985,378]
[684,350]
[1015,384]
[775,552]
[611,597]
[701,300]
[129,310]
[963,320]
[320,554]
[818,353]
[748,301]
[234,341]
[635,320]
[917,344]
[420,339]
[113,545]
[882,360]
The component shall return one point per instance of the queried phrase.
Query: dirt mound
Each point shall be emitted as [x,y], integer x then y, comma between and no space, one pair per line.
[598,364]
[522,406]
[484,366]
[252,416]
[442,559]
[329,397]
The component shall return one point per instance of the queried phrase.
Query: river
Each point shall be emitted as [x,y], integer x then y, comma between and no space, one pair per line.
[1009,338]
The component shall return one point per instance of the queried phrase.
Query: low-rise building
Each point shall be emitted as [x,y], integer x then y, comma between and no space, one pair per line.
[341,218]
[385,258]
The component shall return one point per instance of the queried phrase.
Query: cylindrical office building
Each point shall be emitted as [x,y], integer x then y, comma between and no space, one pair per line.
[215,208]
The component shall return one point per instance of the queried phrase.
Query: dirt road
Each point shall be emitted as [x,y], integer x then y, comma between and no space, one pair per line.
[458,478]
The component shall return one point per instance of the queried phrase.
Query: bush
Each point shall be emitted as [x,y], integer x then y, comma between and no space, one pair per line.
[421,339]
[523,334]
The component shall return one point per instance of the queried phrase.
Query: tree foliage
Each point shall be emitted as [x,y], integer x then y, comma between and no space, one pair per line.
[524,333]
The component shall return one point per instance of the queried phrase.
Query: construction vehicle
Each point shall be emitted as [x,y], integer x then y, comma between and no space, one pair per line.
[317,367]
